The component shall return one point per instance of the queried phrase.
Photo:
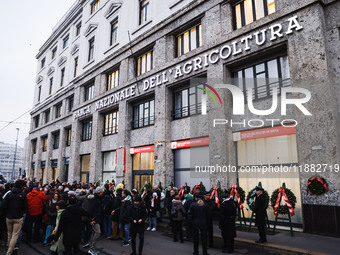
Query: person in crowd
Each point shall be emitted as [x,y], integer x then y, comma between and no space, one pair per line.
[51,211]
[178,214]
[212,207]
[83,199]
[116,232]
[70,226]
[227,222]
[14,207]
[3,229]
[35,200]
[171,196]
[162,204]
[96,211]
[58,245]
[107,204]
[153,205]
[188,199]
[123,216]
[199,213]
[137,215]
[260,211]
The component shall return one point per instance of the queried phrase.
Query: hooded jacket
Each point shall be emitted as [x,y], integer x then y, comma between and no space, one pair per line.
[35,201]
[178,206]
[15,204]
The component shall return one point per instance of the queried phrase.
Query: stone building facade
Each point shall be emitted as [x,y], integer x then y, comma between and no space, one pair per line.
[123,93]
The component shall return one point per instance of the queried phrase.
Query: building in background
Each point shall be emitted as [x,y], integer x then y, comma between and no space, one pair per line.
[7,152]
[121,85]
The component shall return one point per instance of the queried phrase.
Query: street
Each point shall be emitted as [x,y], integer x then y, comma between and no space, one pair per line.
[159,242]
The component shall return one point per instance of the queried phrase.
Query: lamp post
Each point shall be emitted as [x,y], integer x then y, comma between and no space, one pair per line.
[15,154]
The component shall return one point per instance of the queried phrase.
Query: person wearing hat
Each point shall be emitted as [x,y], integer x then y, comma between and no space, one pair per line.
[260,211]
[95,209]
[153,205]
[200,214]
[227,222]
[137,215]
[212,207]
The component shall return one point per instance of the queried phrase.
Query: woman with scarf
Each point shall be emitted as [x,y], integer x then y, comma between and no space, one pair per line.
[123,216]
[153,205]
[51,212]
[58,246]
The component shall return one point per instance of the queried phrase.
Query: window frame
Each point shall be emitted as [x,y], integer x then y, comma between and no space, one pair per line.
[145,121]
[58,108]
[56,140]
[47,116]
[139,63]
[78,28]
[51,86]
[86,134]
[44,142]
[42,62]
[62,77]
[39,93]
[109,118]
[54,52]
[68,136]
[91,44]
[65,41]
[75,70]
[94,6]
[113,32]
[199,39]
[36,121]
[88,92]
[115,80]
[143,9]
[70,101]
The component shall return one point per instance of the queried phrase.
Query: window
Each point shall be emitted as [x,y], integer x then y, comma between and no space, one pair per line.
[95,6]
[189,40]
[144,114]
[68,136]
[75,67]
[70,103]
[111,123]
[87,130]
[188,101]
[262,77]
[109,165]
[112,79]
[39,94]
[114,32]
[91,49]
[36,121]
[85,168]
[62,77]
[144,63]
[51,86]
[44,143]
[247,11]
[56,137]
[47,115]
[65,41]
[54,53]
[143,11]
[58,110]
[43,63]
[78,28]
[34,146]
[89,92]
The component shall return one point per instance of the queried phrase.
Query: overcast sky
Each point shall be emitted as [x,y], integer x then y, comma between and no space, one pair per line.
[25,26]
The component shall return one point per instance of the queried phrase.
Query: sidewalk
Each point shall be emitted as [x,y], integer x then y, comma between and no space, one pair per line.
[301,243]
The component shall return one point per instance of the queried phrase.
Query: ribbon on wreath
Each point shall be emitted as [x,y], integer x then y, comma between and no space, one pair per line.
[251,199]
[181,191]
[290,207]
[234,190]
[319,180]
[214,193]
[196,186]
[144,193]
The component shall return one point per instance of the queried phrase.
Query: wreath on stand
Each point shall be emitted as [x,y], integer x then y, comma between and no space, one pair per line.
[251,199]
[283,209]
[317,185]
[239,194]
[201,187]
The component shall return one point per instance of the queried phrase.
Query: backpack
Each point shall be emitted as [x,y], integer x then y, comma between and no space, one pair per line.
[173,213]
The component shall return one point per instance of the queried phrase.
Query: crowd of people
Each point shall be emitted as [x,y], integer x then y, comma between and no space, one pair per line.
[65,216]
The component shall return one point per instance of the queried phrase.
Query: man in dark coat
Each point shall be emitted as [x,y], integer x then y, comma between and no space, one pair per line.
[116,232]
[70,226]
[14,207]
[137,215]
[200,214]
[188,223]
[212,206]
[260,211]
[123,216]
[227,222]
